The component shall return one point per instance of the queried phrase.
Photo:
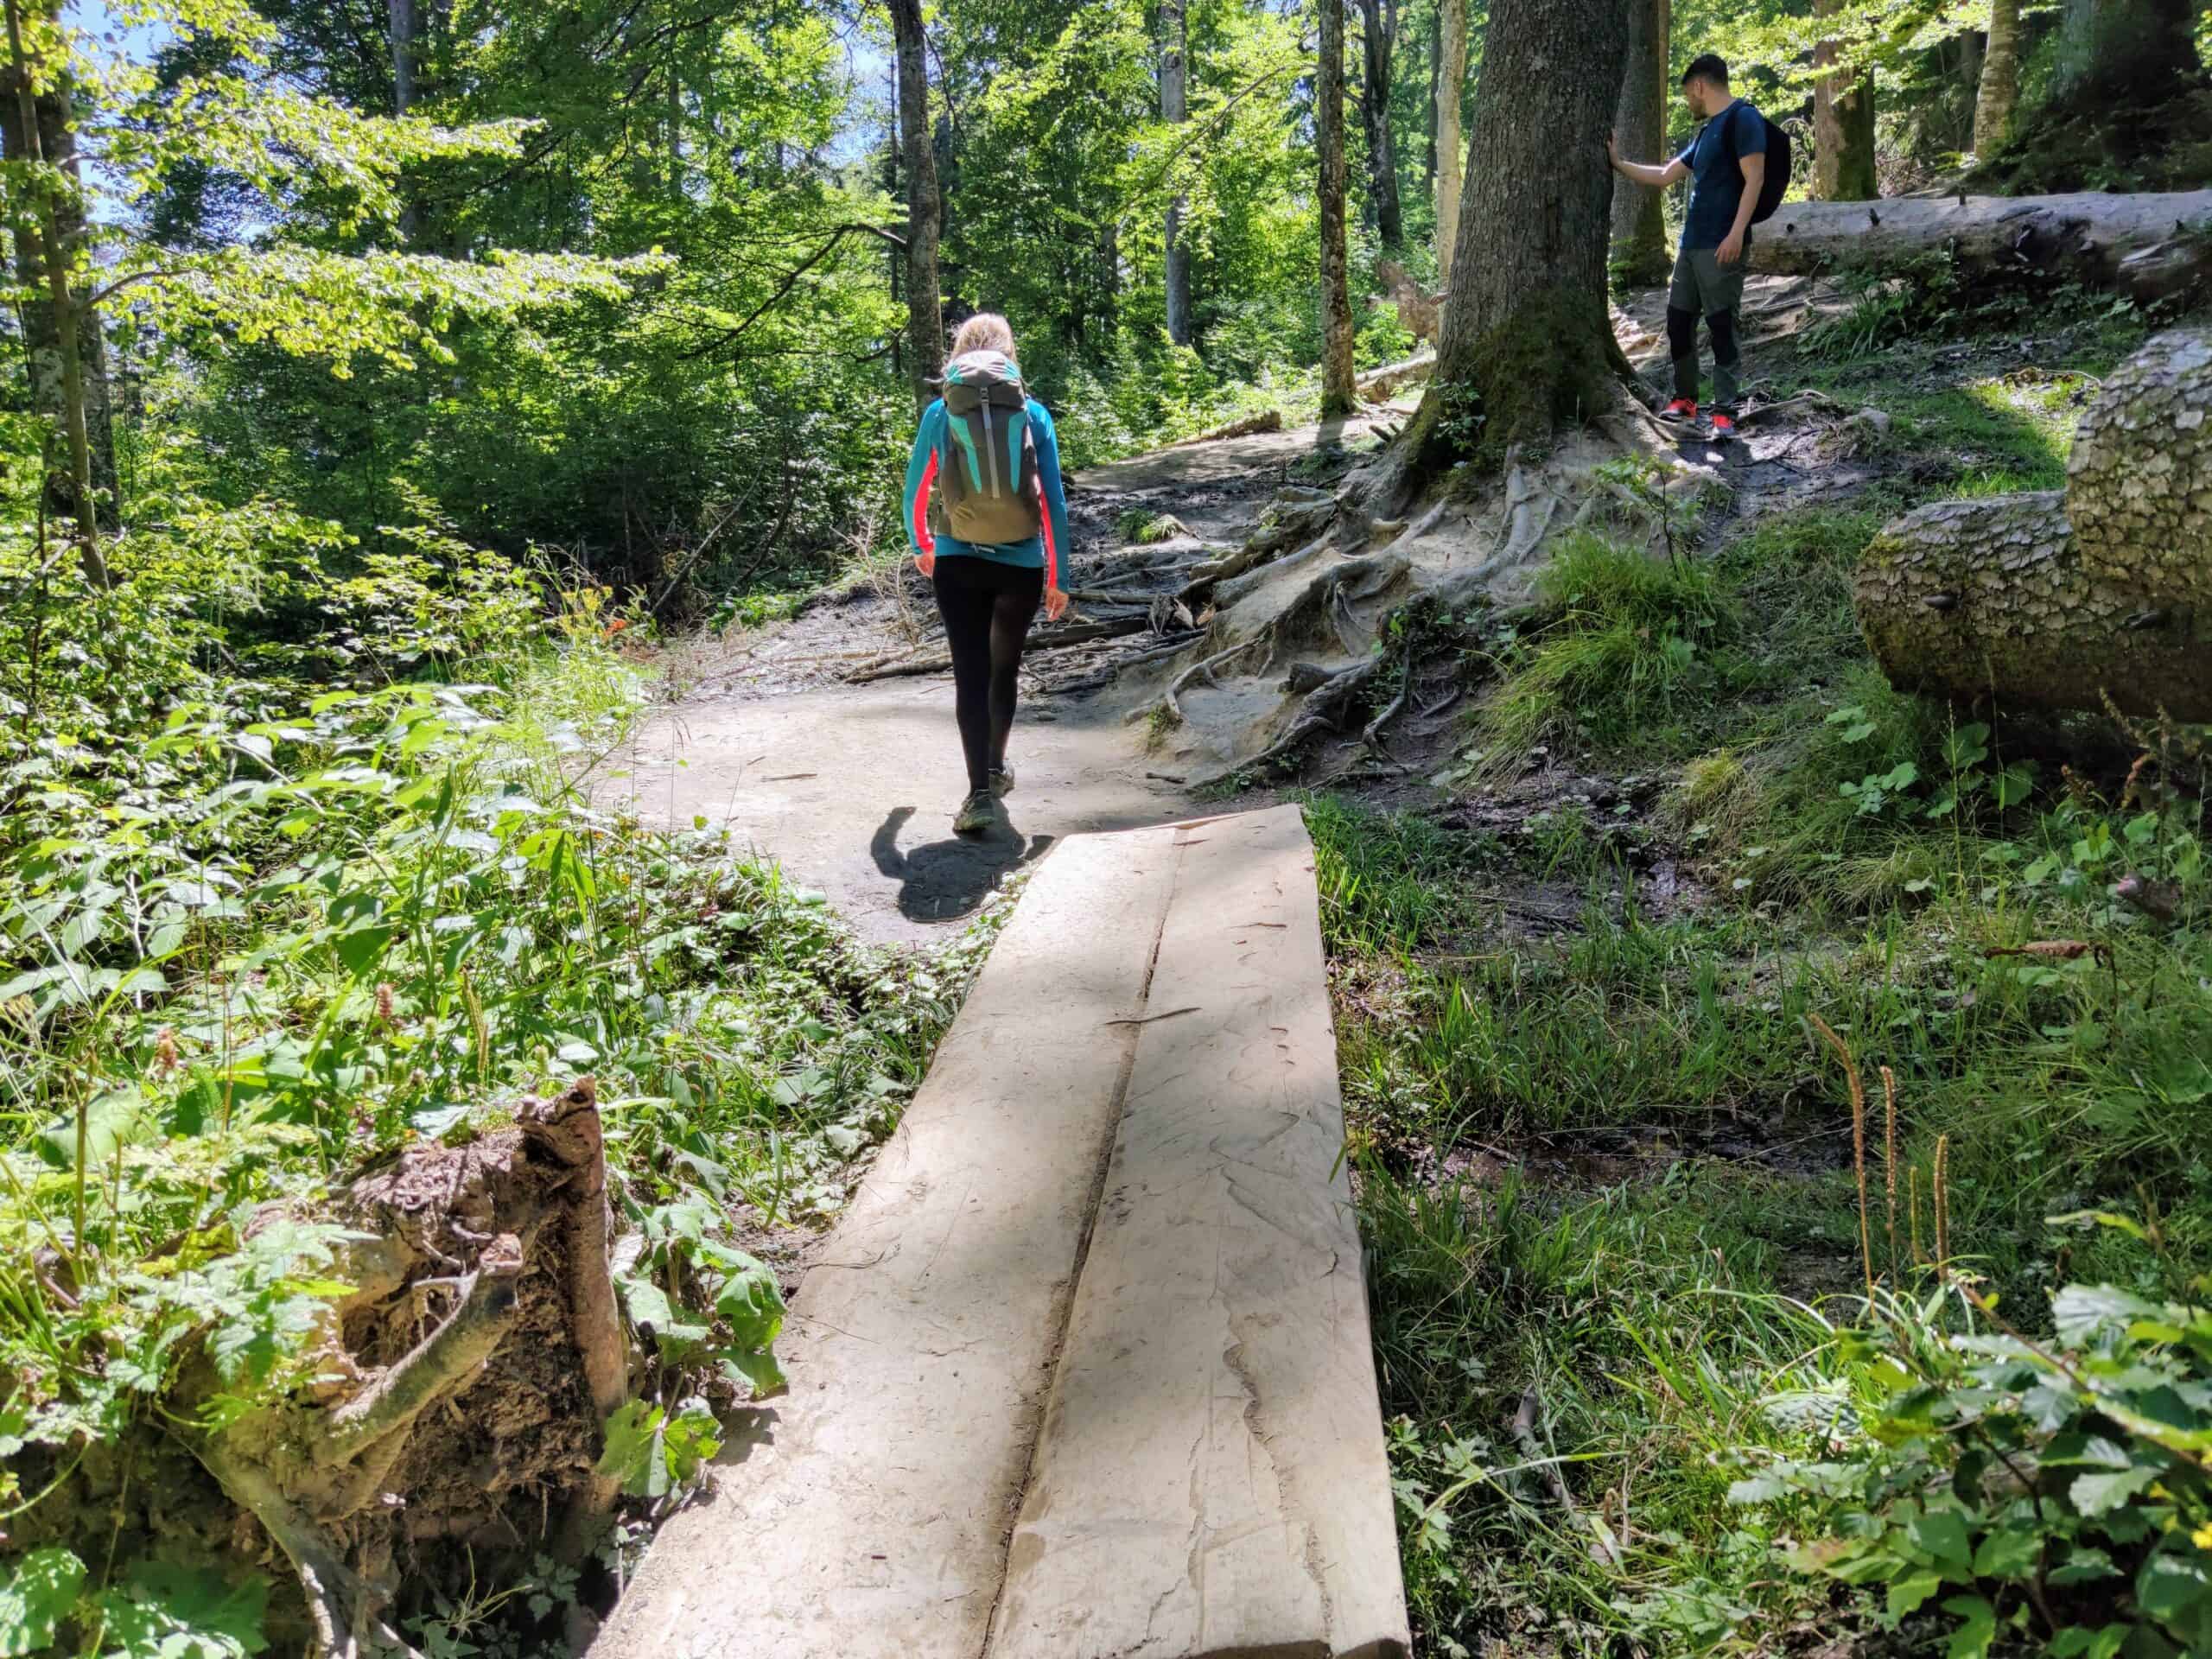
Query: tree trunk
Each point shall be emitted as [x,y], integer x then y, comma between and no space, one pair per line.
[1337,393]
[1429,130]
[1639,254]
[1378,37]
[1843,125]
[1526,345]
[924,317]
[2143,51]
[65,353]
[1174,109]
[2147,246]
[2000,79]
[2139,484]
[1987,602]
[1451,144]
[400,14]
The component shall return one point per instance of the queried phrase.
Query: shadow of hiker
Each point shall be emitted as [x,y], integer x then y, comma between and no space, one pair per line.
[944,880]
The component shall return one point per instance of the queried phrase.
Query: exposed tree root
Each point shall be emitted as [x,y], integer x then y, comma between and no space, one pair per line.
[412,1438]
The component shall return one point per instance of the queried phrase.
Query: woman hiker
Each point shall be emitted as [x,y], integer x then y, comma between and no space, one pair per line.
[991,543]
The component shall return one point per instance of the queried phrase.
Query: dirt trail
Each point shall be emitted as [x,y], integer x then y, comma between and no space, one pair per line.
[828,743]
[851,786]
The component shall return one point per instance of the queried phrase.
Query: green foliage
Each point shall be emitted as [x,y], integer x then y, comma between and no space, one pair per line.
[653,1450]
[1627,637]
[2020,1490]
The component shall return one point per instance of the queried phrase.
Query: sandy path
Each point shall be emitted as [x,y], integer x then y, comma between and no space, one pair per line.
[852,787]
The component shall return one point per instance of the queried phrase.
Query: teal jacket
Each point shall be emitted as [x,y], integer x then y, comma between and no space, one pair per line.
[1041,551]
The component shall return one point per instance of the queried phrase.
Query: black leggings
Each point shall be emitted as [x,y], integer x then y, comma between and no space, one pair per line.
[988,608]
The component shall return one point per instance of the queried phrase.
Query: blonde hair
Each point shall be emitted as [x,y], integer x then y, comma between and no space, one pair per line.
[987,331]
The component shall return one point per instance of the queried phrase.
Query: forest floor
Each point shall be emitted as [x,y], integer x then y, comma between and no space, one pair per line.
[1639,819]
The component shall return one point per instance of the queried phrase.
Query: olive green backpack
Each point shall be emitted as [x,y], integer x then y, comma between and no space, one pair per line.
[987,483]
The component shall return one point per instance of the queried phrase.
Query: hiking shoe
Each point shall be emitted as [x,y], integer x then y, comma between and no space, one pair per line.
[1001,781]
[976,813]
[1724,426]
[1682,408]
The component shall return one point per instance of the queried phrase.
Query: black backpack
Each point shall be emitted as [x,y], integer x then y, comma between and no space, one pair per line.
[1776,181]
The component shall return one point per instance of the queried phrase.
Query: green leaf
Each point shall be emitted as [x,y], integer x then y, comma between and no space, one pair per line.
[2083,1565]
[1942,1534]
[1977,1627]
[35,1594]
[2011,1553]
[168,1611]
[2170,1585]
[362,948]
[1908,1593]
[2101,1494]
[652,1453]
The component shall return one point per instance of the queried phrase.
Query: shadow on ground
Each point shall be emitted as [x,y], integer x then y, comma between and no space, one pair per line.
[944,881]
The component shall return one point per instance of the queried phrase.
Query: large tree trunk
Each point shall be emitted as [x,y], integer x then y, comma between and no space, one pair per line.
[2147,246]
[2102,594]
[2140,50]
[1174,109]
[924,315]
[1451,144]
[1525,342]
[2000,79]
[65,353]
[1378,37]
[1336,394]
[1987,602]
[1639,256]
[1843,126]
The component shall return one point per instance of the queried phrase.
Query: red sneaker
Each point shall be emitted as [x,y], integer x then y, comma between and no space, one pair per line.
[1682,408]
[1724,426]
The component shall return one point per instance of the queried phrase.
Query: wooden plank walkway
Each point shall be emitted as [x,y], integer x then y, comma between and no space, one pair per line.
[1085,1369]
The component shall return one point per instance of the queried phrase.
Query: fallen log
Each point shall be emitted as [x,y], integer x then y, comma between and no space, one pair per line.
[1267,420]
[2139,484]
[1380,385]
[2147,246]
[1988,601]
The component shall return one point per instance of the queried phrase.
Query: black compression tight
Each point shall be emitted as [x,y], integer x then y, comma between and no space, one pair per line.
[988,608]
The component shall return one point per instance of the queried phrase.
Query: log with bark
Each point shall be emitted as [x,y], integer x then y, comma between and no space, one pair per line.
[2139,485]
[1987,602]
[2098,596]
[2148,247]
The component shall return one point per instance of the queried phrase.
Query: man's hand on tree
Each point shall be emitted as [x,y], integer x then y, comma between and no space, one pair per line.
[1732,249]
[1613,148]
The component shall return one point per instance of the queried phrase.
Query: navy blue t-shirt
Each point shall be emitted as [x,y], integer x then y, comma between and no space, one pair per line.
[1717,173]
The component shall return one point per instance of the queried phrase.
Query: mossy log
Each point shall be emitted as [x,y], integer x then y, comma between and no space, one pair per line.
[2138,486]
[2147,246]
[1987,602]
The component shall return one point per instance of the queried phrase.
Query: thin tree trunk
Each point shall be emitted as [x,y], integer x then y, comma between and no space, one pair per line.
[400,14]
[1337,392]
[40,134]
[1843,126]
[1174,109]
[1378,37]
[1435,52]
[1639,254]
[1451,144]
[2000,81]
[925,318]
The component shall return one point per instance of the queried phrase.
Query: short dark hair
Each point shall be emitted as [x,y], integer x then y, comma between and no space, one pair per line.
[1709,66]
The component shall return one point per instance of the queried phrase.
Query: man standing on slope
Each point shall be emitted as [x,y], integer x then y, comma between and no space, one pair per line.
[1727,161]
